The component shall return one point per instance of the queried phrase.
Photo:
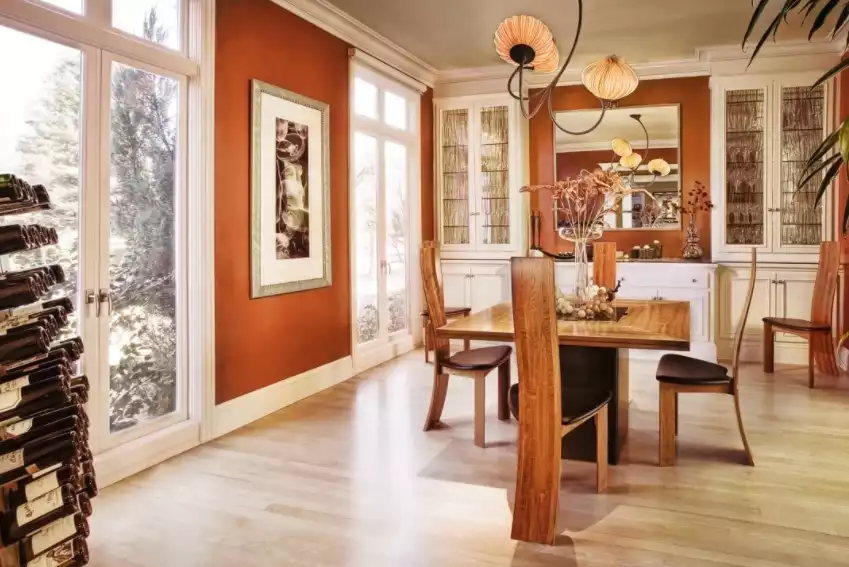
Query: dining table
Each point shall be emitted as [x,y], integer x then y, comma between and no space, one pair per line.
[594,355]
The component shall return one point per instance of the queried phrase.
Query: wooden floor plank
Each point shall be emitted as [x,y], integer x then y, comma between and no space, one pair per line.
[347,478]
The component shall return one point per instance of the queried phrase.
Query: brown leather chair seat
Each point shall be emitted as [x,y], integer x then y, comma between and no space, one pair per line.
[478,358]
[796,324]
[450,311]
[575,403]
[679,369]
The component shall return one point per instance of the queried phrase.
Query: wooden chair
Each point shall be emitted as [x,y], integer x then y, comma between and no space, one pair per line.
[817,331]
[474,363]
[450,312]
[604,264]
[678,374]
[546,412]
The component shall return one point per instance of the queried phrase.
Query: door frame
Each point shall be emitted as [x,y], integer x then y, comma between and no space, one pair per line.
[388,346]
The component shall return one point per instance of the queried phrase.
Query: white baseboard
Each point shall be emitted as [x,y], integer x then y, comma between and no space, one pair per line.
[245,409]
[751,351]
[378,355]
[137,455]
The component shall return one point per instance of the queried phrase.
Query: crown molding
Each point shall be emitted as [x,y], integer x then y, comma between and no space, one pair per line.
[715,60]
[347,28]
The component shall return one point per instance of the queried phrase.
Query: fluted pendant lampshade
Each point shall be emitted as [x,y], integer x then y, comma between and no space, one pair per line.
[610,78]
[526,39]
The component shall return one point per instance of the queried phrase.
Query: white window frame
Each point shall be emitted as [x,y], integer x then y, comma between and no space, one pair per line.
[387,79]
[93,34]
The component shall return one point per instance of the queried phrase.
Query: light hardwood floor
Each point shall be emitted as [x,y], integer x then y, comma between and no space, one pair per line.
[347,478]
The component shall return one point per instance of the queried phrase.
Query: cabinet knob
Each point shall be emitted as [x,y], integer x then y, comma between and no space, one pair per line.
[695,280]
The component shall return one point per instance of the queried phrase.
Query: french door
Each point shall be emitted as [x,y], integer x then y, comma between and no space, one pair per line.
[106,136]
[384,164]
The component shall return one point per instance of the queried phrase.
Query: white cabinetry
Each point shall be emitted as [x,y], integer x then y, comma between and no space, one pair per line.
[673,281]
[781,290]
[763,129]
[475,284]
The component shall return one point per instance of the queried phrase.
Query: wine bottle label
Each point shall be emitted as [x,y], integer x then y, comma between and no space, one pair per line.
[15,429]
[50,535]
[41,486]
[15,384]
[10,399]
[30,511]
[28,309]
[38,474]
[11,461]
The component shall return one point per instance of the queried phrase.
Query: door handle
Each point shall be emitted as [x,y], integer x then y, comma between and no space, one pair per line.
[91,298]
[107,297]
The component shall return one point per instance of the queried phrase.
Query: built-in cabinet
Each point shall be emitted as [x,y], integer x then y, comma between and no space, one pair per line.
[763,130]
[482,218]
[781,290]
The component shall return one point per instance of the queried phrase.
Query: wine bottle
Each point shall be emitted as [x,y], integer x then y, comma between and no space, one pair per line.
[71,553]
[11,401]
[84,504]
[17,293]
[31,488]
[14,238]
[35,363]
[88,485]
[11,188]
[24,411]
[53,371]
[22,432]
[80,381]
[30,517]
[37,455]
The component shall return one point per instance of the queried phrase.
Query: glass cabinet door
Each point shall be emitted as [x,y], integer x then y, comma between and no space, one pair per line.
[744,167]
[493,211]
[800,220]
[454,173]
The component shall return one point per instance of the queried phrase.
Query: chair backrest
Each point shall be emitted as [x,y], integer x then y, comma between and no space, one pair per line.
[537,355]
[436,259]
[825,285]
[433,296]
[741,325]
[604,264]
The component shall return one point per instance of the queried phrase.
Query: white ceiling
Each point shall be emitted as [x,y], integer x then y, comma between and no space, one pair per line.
[450,34]
[660,121]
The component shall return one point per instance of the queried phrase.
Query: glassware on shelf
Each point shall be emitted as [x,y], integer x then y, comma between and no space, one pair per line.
[801,133]
[455,176]
[744,167]
[494,175]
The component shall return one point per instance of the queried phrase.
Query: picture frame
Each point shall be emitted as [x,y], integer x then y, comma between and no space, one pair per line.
[290,192]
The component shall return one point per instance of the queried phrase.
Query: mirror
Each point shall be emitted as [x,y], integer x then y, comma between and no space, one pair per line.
[660,210]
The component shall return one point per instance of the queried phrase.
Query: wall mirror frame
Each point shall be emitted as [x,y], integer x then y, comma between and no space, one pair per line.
[663,124]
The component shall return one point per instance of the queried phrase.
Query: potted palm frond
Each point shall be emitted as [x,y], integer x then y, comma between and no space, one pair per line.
[822,15]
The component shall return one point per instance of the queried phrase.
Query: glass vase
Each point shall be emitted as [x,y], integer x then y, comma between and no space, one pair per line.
[693,249]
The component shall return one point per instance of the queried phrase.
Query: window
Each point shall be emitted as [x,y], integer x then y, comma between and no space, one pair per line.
[75,6]
[154,20]
[385,158]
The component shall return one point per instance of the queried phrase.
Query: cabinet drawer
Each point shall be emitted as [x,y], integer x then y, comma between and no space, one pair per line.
[664,276]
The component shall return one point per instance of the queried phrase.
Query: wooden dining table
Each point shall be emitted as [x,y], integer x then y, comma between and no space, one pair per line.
[594,355]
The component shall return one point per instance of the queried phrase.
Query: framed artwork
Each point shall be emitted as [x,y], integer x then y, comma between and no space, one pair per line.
[290,192]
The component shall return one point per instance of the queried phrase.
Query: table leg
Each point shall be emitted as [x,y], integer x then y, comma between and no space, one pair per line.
[597,369]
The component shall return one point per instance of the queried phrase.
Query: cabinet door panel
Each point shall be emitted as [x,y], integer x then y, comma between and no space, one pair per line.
[734,287]
[454,177]
[494,197]
[490,285]
[794,295]
[455,284]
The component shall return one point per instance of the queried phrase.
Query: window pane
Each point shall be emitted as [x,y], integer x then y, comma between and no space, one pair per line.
[155,20]
[40,142]
[143,339]
[395,156]
[365,98]
[75,6]
[365,201]
[395,110]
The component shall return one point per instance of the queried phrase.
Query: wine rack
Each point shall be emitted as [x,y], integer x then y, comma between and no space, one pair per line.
[47,476]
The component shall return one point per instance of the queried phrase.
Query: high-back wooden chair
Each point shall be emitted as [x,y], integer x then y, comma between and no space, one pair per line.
[474,363]
[817,330]
[604,264]
[450,312]
[546,411]
[679,374]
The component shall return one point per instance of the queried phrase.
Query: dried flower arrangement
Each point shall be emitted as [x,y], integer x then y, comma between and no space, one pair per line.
[698,199]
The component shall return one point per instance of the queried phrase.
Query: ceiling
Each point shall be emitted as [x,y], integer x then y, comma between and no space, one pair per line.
[451,34]
[661,123]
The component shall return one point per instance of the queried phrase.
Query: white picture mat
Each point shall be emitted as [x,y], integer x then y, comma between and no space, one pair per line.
[272,270]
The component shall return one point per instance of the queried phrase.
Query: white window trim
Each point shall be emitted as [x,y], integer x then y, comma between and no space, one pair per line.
[365,356]
[197,64]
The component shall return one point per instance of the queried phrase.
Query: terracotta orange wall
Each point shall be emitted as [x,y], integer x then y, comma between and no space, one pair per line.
[262,341]
[427,201]
[570,164]
[693,94]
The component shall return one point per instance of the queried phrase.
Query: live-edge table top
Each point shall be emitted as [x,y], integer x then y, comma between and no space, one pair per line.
[648,324]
